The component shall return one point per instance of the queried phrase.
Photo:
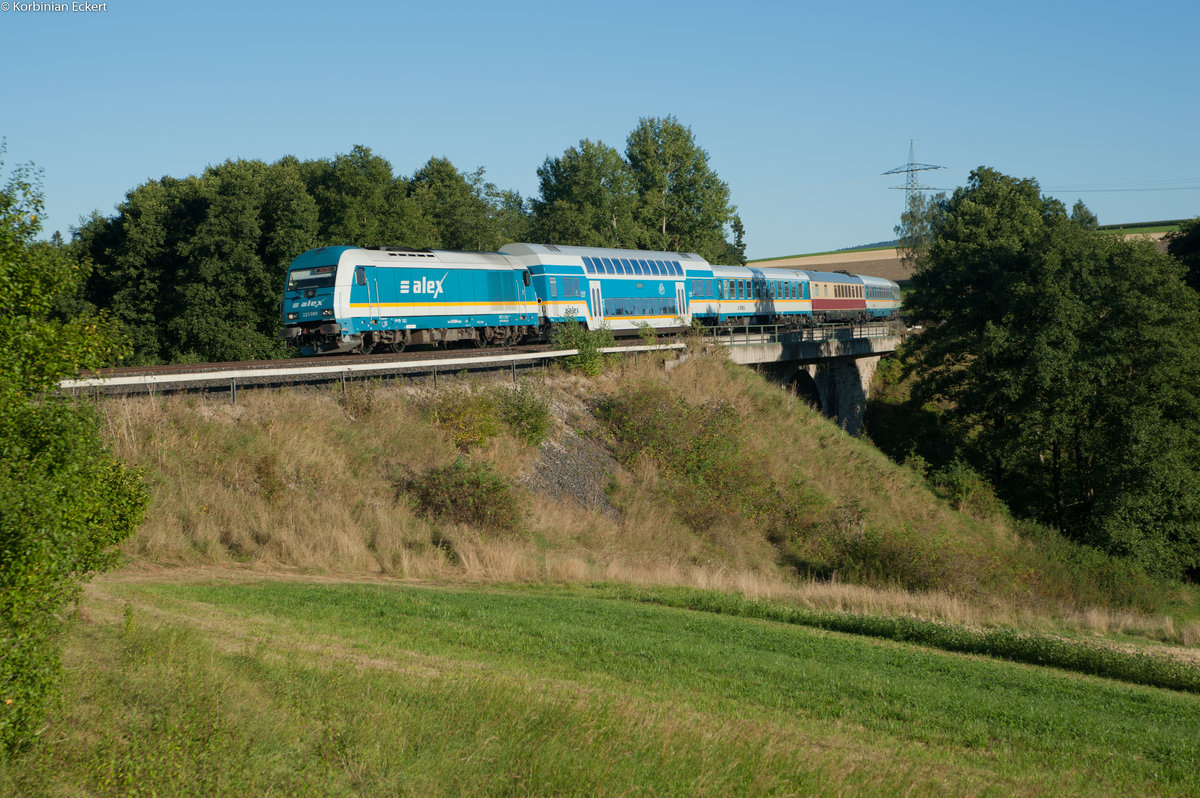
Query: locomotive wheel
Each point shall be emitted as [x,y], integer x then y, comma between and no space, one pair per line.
[366,346]
[479,342]
[396,347]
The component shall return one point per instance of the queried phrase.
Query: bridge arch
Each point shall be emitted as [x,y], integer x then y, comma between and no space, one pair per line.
[805,387]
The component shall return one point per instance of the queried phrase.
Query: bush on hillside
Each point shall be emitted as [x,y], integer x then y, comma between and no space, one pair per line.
[589,360]
[466,493]
[968,491]
[526,412]
[473,417]
[469,417]
[1060,571]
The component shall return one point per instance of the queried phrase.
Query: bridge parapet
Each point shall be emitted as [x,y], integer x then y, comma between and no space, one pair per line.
[831,368]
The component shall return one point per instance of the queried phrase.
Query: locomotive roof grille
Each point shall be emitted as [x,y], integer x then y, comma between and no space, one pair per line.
[406,252]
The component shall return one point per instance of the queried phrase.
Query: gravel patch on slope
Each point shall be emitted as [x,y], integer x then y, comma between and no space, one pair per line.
[571,463]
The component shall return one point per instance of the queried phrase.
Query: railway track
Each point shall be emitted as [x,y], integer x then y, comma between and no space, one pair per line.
[230,377]
[429,363]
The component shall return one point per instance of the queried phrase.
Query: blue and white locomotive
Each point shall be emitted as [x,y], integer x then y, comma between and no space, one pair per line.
[349,299]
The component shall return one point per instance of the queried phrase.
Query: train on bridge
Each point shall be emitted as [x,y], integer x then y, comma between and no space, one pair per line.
[351,299]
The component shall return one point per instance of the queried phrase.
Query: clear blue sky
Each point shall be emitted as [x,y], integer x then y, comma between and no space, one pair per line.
[801,106]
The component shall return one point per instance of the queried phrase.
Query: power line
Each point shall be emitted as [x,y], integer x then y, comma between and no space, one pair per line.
[1070,189]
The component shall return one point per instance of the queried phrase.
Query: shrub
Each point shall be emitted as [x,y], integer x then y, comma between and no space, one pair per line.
[356,398]
[698,449]
[469,417]
[526,411]
[573,335]
[968,491]
[466,493]
[895,556]
[699,443]
[1058,570]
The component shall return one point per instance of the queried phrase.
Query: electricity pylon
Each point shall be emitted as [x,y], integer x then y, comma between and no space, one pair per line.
[911,184]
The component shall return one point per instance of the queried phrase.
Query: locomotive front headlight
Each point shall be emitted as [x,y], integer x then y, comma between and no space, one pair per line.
[293,316]
[327,312]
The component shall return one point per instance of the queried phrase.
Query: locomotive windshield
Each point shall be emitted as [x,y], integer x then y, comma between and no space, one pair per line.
[319,277]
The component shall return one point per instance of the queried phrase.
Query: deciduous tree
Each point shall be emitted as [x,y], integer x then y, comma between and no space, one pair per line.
[1184,245]
[464,208]
[682,204]
[64,500]
[587,197]
[916,225]
[1066,366]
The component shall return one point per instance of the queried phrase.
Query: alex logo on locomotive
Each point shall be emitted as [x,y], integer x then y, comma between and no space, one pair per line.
[424,286]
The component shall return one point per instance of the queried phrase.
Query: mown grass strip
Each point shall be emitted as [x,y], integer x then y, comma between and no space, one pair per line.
[359,689]
[1026,648]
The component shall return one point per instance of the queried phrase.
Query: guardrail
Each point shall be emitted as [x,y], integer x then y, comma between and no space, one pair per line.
[220,380]
[771,333]
[232,379]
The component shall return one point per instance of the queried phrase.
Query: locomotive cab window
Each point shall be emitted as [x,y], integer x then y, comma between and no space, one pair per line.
[360,275]
[320,277]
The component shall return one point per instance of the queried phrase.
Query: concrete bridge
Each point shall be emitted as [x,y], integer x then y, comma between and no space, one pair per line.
[830,367]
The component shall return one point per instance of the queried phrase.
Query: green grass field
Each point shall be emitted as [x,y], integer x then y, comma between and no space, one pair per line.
[330,688]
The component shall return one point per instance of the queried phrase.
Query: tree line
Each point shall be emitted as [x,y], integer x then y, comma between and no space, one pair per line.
[193,268]
[1060,364]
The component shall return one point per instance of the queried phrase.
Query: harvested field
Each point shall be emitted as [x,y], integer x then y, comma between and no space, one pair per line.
[885,263]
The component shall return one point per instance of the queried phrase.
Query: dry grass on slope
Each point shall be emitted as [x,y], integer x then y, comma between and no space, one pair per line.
[314,482]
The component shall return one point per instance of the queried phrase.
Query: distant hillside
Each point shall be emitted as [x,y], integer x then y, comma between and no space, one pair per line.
[882,259]
[885,263]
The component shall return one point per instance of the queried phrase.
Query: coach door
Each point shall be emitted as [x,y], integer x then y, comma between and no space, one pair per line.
[681,307]
[597,306]
[366,283]
[528,298]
